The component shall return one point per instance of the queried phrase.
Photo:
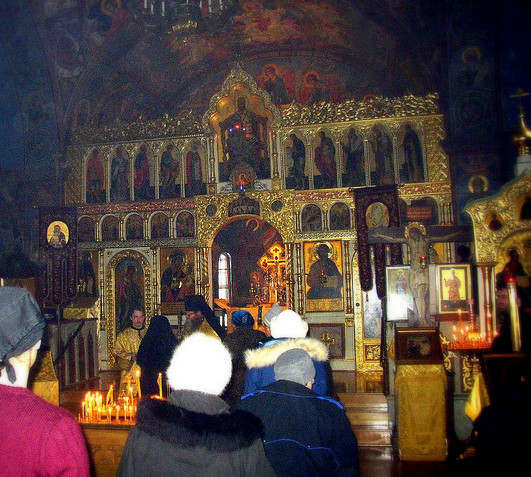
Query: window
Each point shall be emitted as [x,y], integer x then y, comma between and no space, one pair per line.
[224,276]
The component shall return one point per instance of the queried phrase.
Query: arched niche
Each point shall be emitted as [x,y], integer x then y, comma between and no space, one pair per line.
[253,245]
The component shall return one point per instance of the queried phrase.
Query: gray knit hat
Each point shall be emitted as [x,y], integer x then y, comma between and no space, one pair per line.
[294,365]
[21,325]
[274,311]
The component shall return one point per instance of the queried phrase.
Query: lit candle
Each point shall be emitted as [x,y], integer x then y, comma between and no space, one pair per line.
[159,382]
[516,338]
[109,395]
[117,413]
[83,409]
[138,385]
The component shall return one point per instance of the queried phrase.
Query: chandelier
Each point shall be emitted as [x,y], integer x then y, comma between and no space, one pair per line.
[183,17]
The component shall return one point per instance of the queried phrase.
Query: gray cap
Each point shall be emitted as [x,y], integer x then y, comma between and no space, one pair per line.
[294,365]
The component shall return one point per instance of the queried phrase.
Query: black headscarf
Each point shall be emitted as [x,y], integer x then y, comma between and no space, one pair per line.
[158,344]
[198,303]
[21,325]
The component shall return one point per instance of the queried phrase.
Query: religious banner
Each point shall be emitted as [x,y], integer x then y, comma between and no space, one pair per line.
[58,247]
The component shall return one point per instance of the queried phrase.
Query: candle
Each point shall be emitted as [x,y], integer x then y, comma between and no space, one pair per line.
[138,385]
[117,413]
[83,409]
[516,338]
[109,395]
[159,382]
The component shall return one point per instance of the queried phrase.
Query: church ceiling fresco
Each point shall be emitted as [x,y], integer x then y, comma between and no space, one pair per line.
[107,65]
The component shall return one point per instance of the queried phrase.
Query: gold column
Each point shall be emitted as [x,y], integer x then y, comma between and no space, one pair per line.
[290,276]
[489,314]
[326,225]
[516,337]
[300,278]
[348,278]
[211,188]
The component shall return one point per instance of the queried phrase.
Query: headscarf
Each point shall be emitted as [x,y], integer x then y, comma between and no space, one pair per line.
[198,303]
[21,325]
[158,344]
[242,318]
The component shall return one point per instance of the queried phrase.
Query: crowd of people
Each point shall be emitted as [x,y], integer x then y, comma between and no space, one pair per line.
[248,403]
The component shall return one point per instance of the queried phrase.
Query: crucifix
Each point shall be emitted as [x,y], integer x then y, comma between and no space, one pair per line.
[418,238]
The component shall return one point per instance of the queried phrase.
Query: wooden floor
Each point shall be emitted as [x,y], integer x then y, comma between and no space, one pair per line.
[375,462]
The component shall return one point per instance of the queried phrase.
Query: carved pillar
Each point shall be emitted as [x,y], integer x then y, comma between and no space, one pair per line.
[300,278]
[98,222]
[396,169]
[156,298]
[121,229]
[326,225]
[211,188]
[290,275]
[366,146]
[146,227]
[101,281]
[339,162]
[202,256]
[347,286]
[488,314]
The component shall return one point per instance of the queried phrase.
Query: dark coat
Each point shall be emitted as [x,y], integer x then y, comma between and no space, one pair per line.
[154,354]
[305,434]
[239,341]
[260,363]
[193,434]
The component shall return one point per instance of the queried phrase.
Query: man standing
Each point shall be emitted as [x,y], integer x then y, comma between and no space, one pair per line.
[126,347]
[305,434]
[200,317]
[38,438]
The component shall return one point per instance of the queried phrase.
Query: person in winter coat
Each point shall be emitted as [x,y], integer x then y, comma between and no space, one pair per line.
[289,331]
[195,432]
[242,338]
[305,434]
[37,438]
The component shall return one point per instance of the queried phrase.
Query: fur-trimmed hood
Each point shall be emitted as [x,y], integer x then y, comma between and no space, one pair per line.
[267,355]
[225,432]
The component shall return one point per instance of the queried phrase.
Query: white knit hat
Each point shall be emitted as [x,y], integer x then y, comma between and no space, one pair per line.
[200,363]
[288,324]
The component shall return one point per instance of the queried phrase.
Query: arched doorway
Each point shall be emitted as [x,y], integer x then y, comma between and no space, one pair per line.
[248,258]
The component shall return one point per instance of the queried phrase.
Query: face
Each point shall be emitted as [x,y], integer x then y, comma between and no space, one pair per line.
[322,251]
[138,318]
[502,299]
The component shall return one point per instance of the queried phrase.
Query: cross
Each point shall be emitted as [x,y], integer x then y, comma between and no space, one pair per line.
[418,238]
[327,339]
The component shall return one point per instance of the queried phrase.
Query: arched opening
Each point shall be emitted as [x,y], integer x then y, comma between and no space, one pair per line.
[249,260]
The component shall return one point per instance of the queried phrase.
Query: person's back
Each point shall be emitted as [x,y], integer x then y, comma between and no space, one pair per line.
[154,354]
[289,331]
[195,432]
[37,438]
[305,434]
[242,338]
